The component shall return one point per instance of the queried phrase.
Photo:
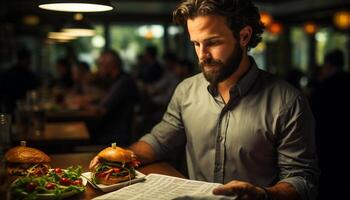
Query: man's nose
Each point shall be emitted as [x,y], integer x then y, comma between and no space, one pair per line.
[204,54]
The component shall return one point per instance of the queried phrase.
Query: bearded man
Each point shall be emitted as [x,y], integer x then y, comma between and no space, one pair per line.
[239,125]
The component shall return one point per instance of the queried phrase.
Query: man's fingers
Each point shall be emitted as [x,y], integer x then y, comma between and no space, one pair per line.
[93,163]
[224,191]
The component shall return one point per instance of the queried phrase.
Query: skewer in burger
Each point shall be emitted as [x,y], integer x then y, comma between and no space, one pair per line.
[114,165]
[23,160]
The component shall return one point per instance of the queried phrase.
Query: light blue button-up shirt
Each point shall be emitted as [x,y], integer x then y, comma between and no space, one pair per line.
[263,135]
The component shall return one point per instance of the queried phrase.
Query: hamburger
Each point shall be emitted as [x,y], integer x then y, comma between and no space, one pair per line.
[23,160]
[114,165]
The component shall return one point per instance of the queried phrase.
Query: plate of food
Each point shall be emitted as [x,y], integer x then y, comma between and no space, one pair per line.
[56,184]
[114,168]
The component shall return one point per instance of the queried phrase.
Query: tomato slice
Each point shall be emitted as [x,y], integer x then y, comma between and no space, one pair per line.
[77,182]
[65,181]
[50,186]
[30,187]
[58,170]
[116,170]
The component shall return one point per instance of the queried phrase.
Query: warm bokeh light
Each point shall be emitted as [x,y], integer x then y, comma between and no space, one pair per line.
[266,18]
[342,19]
[78,16]
[31,20]
[275,28]
[310,28]
[148,35]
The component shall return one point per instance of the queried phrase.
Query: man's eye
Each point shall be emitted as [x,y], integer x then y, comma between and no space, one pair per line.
[211,43]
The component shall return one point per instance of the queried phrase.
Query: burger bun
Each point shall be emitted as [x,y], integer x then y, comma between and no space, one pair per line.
[23,154]
[116,154]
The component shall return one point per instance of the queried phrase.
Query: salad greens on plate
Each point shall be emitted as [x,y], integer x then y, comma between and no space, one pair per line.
[56,184]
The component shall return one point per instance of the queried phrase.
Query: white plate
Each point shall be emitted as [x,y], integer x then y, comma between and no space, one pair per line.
[108,188]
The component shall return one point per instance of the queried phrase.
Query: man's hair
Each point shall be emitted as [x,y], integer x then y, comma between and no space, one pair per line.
[238,14]
[335,58]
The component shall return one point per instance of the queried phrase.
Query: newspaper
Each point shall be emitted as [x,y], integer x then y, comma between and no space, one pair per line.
[162,187]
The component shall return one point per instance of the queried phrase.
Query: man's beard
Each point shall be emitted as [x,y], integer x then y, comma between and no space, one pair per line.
[220,70]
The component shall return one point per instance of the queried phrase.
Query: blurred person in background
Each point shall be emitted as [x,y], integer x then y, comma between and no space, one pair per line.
[62,81]
[156,83]
[294,77]
[330,102]
[116,107]
[150,70]
[63,74]
[183,69]
[83,90]
[240,126]
[17,81]
[82,78]
[170,61]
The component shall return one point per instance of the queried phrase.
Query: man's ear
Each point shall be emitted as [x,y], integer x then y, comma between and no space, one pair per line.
[244,35]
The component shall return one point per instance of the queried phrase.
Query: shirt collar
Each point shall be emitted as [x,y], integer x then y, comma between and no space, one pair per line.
[243,84]
[246,82]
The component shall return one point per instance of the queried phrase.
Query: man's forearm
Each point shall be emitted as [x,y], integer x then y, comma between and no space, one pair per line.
[283,191]
[144,152]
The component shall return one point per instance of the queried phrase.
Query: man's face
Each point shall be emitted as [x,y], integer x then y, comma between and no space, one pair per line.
[219,53]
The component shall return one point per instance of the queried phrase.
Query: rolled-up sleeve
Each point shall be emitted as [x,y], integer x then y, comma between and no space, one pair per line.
[169,133]
[297,158]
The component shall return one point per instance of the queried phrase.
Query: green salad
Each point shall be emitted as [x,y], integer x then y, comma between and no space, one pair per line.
[55,184]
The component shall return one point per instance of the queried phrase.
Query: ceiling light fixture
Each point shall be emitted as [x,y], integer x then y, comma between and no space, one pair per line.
[79,27]
[76,5]
[60,36]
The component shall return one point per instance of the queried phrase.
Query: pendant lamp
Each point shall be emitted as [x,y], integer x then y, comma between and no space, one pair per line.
[60,36]
[76,5]
[79,27]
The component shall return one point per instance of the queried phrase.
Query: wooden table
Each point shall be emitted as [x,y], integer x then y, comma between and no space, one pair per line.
[58,137]
[83,159]
[64,115]
[59,131]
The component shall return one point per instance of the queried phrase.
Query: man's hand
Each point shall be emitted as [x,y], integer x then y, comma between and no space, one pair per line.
[243,190]
[95,161]
[144,152]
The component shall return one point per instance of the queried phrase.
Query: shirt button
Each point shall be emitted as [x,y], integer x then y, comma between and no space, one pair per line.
[220,138]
